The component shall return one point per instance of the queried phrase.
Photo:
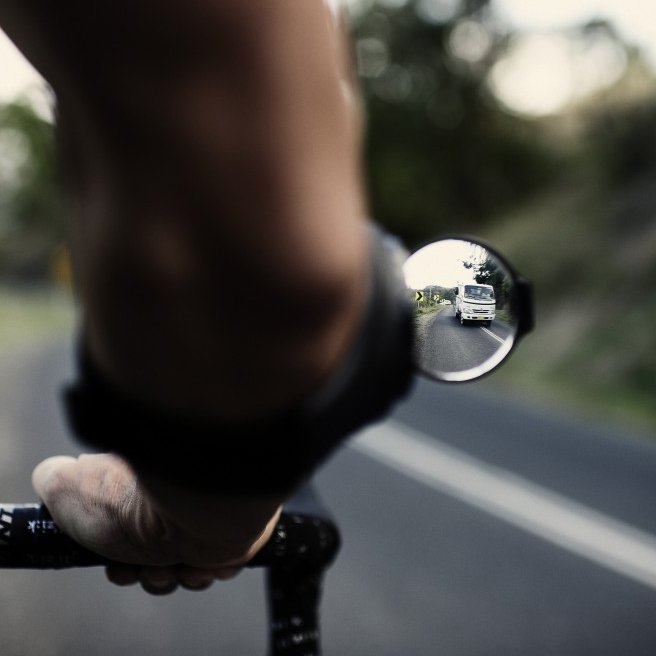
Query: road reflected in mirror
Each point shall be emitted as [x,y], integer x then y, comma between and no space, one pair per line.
[463,299]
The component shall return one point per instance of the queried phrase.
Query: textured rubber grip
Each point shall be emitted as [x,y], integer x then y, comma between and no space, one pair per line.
[29,538]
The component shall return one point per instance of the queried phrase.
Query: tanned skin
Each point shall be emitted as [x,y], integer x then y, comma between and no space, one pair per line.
[210,156]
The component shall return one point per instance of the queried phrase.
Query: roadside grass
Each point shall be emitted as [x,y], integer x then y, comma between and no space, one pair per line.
[30,315]
[504,315]
[429,309]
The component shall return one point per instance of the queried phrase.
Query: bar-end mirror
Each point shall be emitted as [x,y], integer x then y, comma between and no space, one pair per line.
[470,308]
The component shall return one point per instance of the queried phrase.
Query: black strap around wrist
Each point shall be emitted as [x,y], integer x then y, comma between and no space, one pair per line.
[265,457]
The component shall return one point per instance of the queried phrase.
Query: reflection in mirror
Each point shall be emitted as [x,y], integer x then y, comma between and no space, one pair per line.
[463,299]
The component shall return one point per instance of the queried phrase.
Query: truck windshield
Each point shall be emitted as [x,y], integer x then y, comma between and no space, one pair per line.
[479,293]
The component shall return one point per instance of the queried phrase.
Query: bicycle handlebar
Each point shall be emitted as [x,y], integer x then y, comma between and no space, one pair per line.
[299,550]
[29,538]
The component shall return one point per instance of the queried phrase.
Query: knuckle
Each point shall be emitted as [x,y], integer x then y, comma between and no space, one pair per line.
[56,484]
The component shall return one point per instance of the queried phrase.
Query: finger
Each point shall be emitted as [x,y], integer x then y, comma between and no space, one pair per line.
[122,575]
[48,471]
[225,573]
[158,580]
[87,497]
[194,578]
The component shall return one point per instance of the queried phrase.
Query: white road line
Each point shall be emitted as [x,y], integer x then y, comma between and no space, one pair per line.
[491,334]
[550,516]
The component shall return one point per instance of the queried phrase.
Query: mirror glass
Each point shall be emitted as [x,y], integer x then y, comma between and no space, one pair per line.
[464,298]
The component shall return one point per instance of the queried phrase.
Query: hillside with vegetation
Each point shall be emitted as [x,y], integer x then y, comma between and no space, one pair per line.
[588,241]
[570,199]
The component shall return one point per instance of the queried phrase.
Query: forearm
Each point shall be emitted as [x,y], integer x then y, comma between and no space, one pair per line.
[211,165]
[212,168]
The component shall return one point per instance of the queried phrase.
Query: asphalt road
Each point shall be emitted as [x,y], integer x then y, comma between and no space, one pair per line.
[450,553]
[448,346]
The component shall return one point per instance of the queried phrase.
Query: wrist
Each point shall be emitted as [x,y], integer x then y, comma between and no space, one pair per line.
[271,456]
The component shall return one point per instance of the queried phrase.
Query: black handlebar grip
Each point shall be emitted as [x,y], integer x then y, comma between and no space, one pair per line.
[299,541]
[29,538]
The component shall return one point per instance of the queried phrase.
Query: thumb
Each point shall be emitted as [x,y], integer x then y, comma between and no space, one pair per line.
[83,496]
[50,478]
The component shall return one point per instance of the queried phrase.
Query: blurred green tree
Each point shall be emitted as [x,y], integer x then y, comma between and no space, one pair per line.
[488,272]
[31,225]
[441,154]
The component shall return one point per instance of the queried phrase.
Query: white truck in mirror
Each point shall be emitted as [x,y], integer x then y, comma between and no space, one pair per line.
[475,303]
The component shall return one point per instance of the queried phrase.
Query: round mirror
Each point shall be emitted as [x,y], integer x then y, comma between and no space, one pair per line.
[466,310]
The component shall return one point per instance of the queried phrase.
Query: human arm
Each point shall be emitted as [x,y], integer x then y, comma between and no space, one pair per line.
[210,155]
[198,173]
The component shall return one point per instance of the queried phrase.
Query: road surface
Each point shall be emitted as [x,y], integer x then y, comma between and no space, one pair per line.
[474,533]
[447,346]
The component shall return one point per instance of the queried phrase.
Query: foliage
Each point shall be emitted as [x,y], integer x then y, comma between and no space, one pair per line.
[488,272]
[30,214]
[576,216]
[441,155]
[439,293]
[589,245]
[624,141]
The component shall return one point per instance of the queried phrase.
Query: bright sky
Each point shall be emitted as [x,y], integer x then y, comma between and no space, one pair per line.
[541,75]
[546,71]
[635,19]
[441,263]
[18,78]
